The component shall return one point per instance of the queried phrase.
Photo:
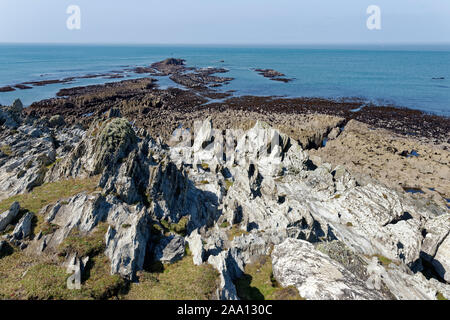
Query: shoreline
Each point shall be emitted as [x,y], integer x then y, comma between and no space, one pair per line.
[401,120]
[204,78]
[347,132]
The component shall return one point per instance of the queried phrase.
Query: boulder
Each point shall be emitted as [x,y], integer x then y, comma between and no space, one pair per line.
[17,106]
[315,275]
[230,269]
[441,261]
[23,228]
[8,216]
[196,247]
[170,249]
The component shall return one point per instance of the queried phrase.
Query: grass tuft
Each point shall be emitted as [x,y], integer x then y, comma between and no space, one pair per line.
[259,283]
[179,281]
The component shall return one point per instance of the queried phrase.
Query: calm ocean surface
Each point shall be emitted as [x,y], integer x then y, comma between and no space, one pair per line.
[399,76]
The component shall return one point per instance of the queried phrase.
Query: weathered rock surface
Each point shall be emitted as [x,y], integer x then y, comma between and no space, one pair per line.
[231,207]
[23,227]
[315,275]
[127,235]
[8,216]
[441,261]
[170,249]
[196,246]
[402,163]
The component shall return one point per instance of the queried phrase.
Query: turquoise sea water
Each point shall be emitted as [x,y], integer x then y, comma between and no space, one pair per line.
[402,76]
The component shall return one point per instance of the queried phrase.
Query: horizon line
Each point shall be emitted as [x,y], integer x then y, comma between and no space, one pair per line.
[239,44]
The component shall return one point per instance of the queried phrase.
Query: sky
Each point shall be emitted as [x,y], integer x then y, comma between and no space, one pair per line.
[225,21]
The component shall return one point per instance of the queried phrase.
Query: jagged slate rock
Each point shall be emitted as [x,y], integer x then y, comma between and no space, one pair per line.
[8,120]
[401,282]
[315,275]
[10,117]
[196,247]
[339,252]
[17,106]
[83,211]
[32,150]
[441,261]
[127,235]
[343,179]
[103,146]
[170,249]
[113,113]
[230,268]
[436,229]
[23,228]
[334,133]
[8,216]
[36,133]
[254,245]
[126,239]
[262,145]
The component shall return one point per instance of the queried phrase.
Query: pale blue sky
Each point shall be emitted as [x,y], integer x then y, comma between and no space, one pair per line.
[225,21]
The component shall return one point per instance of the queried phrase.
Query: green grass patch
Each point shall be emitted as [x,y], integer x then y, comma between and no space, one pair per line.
[179,281]
[31,277]
[224,224]
[228,184]
[179,228]
[205,166]
[258,283]
[384,260]
[84,245]
[441,297]
[49,193]
[6,149]
[235,232]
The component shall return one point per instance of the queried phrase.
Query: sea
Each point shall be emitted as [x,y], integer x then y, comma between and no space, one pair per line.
[416,77]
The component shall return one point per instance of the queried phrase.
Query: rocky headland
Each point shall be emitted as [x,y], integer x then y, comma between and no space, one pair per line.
[247,198]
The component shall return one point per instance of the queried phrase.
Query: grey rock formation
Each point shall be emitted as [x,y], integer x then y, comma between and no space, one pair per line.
[170,249]
[23,227]
[10,116]
[436,245]
[267,189]
[127,235]
[32,150]
[441,261]
[230,269]
[196,247]
[8,216]
[315,275]
[126,243]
